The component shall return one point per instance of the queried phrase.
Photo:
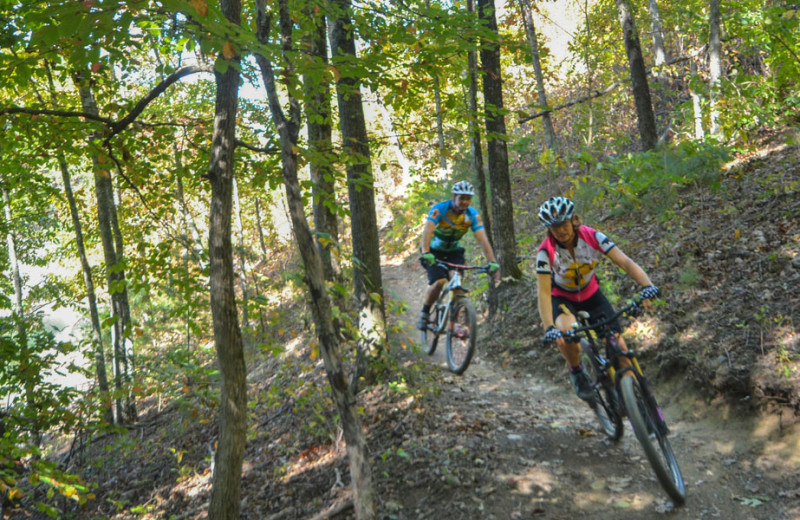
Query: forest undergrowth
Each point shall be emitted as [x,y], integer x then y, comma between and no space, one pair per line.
[500,441]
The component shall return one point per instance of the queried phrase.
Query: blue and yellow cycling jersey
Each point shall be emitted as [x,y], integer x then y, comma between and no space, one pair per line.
[451,226]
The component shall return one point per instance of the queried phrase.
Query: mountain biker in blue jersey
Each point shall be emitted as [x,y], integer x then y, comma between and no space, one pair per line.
[447,222]
[567,284]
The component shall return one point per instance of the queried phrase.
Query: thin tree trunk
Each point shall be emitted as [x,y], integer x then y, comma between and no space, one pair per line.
[125,311]
[115,274]
[437,98]
[502,208]
[476,152]
[714,62]
[318,122]
[699,133]
[19,314]
[363,218]
[237,211]
[226,489]
[261,240]
[641,90]
[91,296]
[589,80]
[364,497]
[659,51]
[530,30]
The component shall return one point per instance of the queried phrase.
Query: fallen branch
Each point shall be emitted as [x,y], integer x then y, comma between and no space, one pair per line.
[334,510]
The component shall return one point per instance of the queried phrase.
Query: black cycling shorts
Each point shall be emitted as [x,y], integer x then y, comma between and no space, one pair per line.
[436,272]
[597,305]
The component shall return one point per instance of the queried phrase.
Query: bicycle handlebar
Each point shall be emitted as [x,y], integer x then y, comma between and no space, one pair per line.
[632,309]
[459,267]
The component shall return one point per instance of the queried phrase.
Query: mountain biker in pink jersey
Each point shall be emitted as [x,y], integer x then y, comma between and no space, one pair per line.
[565,265]
[446,223]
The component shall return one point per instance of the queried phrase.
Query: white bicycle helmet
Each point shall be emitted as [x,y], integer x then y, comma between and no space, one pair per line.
[556,210]
[463,188]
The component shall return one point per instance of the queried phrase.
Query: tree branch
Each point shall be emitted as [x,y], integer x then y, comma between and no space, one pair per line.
[59,113]
[182,72]
[116,126]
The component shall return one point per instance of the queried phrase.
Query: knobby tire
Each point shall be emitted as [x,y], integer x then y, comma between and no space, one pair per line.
[605,403]
[462,333]
[430,337]
[655,443]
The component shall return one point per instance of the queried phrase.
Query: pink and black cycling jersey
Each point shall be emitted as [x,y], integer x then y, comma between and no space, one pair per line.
[573,278]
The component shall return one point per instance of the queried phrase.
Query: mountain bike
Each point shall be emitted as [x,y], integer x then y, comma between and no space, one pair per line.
[454,315]
[625,389]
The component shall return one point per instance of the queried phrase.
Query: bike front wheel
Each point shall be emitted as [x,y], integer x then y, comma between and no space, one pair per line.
[647,426]
[430,337]
[605,402]
[462,333]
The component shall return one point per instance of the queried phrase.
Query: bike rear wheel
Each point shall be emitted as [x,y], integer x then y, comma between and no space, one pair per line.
[645,422]
[605,403]
[462,332]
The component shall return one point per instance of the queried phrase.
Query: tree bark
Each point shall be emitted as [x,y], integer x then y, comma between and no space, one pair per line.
[714,62]
[697,109]
[659,51]
[641,90]
[237,210]
[29,380]
[502,208]
[91,296]
[364,496]
[226,488]
[115,272]
[530,30]
[476,153]
[363,219]
[320,143]
[86,269]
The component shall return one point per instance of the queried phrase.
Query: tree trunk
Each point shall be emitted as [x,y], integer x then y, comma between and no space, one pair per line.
[364,497]
[261,240]
[115,273]
[19,315]
[641,90]
[437,98]
[226,488]
[699,133]
[237,210]
[318,122]
[363,219]
[714,62]
[476,153]
[659,52]
[125,312]
[97,331]
[86,269]
[502,208]
[530,30]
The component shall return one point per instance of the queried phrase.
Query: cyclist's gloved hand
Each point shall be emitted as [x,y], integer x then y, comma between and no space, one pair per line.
[427,259]
[650,292]
[493,267]
[552,334]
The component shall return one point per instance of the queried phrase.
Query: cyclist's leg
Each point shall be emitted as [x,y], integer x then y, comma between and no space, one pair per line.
[564,317]
[437,277]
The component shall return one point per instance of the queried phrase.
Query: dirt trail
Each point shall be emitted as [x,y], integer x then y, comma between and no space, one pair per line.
[521,445]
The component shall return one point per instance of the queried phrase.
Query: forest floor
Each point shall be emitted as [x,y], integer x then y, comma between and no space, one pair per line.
[509,439]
